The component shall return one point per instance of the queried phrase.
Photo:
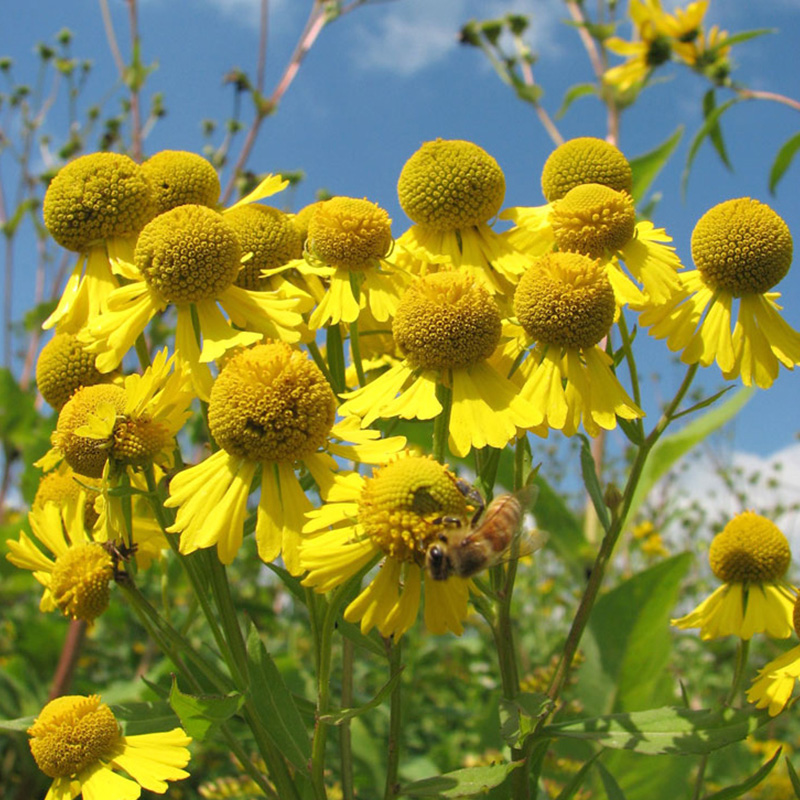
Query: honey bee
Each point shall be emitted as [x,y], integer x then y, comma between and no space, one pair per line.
[465,548]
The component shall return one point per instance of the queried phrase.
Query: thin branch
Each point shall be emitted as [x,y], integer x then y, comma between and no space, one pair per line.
[113,45]
[756,94]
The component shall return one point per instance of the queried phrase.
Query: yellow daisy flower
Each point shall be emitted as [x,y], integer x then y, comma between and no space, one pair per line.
[600,222]
[95,206]
[272,408]
[107,428]
[191,257]
[774,684]
[395,515]
[180,178]
[78,742]
[77,580]
[741,249]
[352,238]
[451,189]
[565,305]
[751,557]
[448,326]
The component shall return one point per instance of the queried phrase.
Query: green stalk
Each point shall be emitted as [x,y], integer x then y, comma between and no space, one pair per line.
[335,353]
[394,654]
[441,425]
[319,360]
[345,748]
[172,645]
[142,353]
[356,279]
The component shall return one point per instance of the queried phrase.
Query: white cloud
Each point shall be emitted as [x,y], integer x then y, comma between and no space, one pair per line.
[765,483]
[413,35]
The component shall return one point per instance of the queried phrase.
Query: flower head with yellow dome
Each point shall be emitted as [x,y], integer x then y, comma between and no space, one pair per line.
[565,306]
[741,249]
[448,326]
[590,211]
[78,742]
[451,190]
[95,206]
[750,556]
[271,408]
[190,257]
[393,516]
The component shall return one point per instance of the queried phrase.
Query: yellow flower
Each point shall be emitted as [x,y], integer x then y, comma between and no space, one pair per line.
[78,742]
[191,257]
[77,580]
[448,326]
[451,189]
[104,429]
[751,557]
[395,515]
[95,205]
[565,306]
[741,249]
[600,222]
[179,178]
[270,407]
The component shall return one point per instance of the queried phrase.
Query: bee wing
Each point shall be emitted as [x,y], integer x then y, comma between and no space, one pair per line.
[531,541]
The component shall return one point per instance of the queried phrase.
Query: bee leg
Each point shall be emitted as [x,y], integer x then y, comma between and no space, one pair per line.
[474,496]
[448,521]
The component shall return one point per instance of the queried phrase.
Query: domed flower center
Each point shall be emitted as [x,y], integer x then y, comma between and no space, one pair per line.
[269,235]
[178,178]
[80,580]
[402,504]
[188,254]
[593,220]
[271,403]
[742,246]
[71,733]
[349,233]
[451,184]
[796,615]
[139,441]
[565,299]
[85,455]
[63,366]
[750,549]
[97,197]
[446,321]
[61,487]
[584,160]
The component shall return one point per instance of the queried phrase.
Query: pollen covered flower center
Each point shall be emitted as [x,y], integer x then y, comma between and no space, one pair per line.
[565,299]
[271,403]
[742,246]
[402,504]
[80,580]
[584,160]
[750,549]
[85,455]
[593,220]
[188,254]
[72,733]
[349,233]
[446,321]
[138,441]
[451,184]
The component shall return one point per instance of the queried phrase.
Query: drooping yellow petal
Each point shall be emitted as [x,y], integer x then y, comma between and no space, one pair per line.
[99,782]
[446,605]
[273,316]
[378,599]
[272,184]
[338,304]
[775,683]
[369,401]
[405,611]
[218,335]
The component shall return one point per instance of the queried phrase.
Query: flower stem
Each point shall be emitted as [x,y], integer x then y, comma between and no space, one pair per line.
[335,354]
[394,654]
[441,425]
[345,749]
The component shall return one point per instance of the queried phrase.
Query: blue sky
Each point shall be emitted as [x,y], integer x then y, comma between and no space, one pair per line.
[388,77]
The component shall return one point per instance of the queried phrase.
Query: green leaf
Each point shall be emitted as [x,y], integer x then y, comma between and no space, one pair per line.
[730,792]
[343,714]
[681,731]
[646,167]
[591,482]
[199,714]
[670,449]
[274,704]
[577,780]
[20,725]
[566,532]
[710,125]
[612,788]
[715,133]
[782,161]
[572,94]
[530,94]
[519,716]
[630,627]
[461,782]
[744,36]
[147,717]
[793,777]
